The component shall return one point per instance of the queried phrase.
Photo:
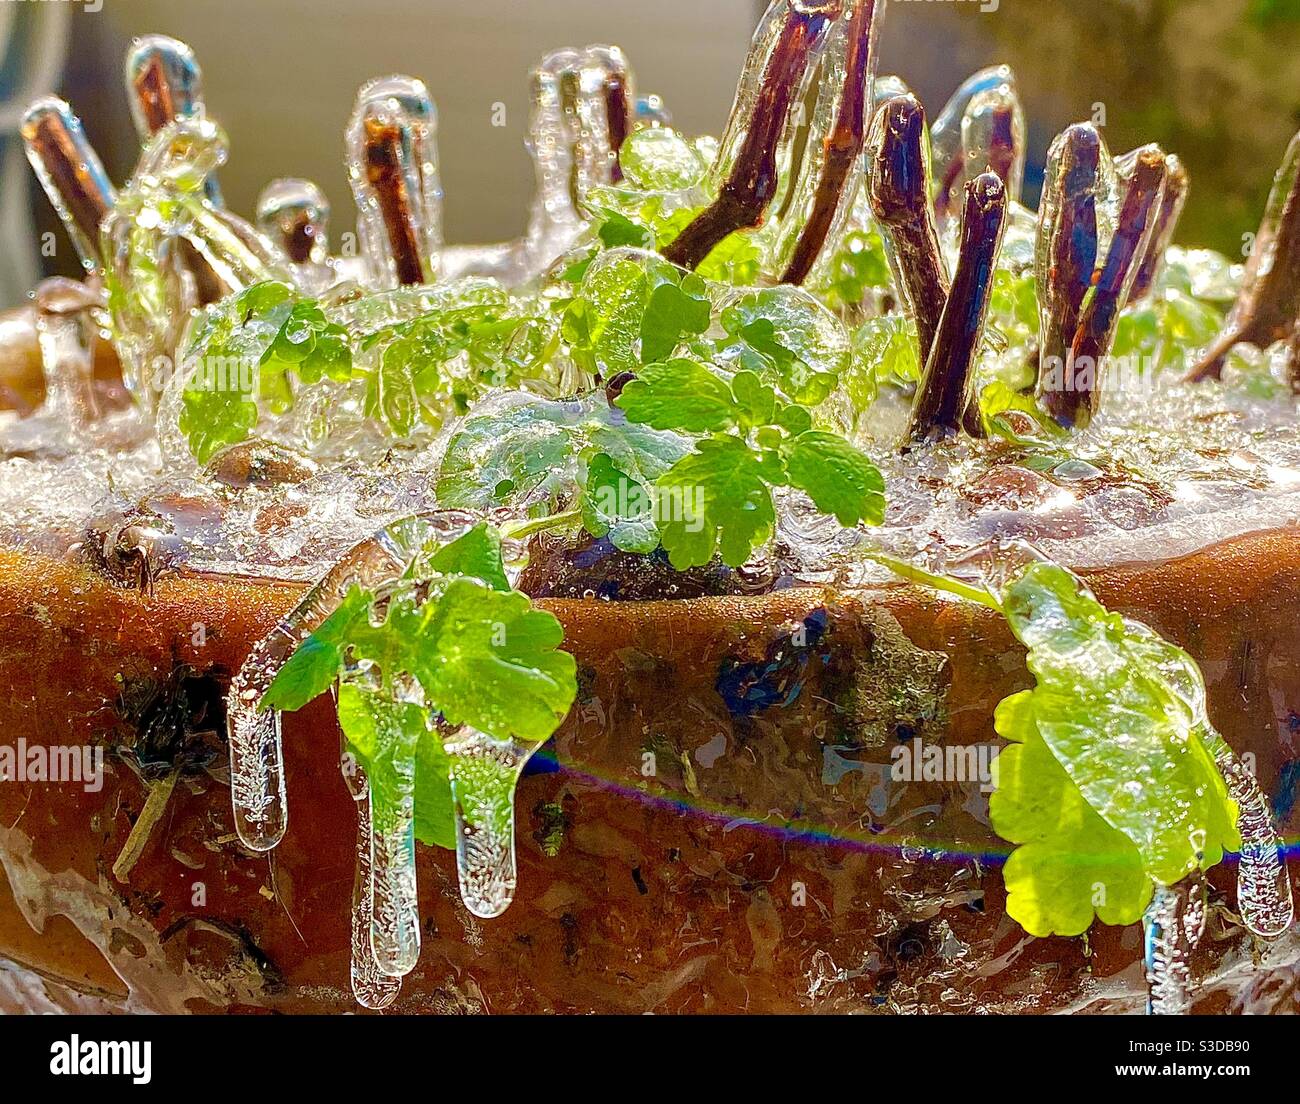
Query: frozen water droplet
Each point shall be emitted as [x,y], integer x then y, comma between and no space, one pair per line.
[484,774]
[372,987]
[1263,886]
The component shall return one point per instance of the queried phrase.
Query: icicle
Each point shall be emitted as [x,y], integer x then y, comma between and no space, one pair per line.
[1263,885]
[395,911]
[70,172]
[257,787]
[484,774]
[393,166]
[1172,927]
[371,986]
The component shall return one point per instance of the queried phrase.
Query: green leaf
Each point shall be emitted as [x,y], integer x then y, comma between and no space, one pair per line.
[488,659]
[1128,737]
[476,555]
[673,313]
[617,505]
[837,477]
[679,394]
[789,339]
[715,499]
[857,265]
[312,669]
[1069,864]
[619,230]
[998,400]
[537,454]
[658,159]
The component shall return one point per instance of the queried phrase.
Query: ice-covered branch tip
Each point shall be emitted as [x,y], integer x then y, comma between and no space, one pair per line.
[841,158]
[1067,237]
[71,174]
[945,398]
[784,49]
[981,129]
[900,200]
[164,82]
[1071,390]
[294,214]
[1268,307]
[393,168]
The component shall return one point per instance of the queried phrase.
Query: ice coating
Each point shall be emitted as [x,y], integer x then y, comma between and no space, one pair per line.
[393,166]
[484,774]
[579,115]
[164,82]
[256,757]
[70,172]
[159,221]
[1177,186]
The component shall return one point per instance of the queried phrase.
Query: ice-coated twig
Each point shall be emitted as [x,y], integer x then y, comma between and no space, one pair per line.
[618,95]
[832,171]
[164,82]
[393,166]
[1263,885]
[1074,397]
[747,175]
[993,137]
[1177,184]
[953,160]
[484,774]
[257,787]
[1268,306]
[1066,255]
[900,200]
[71,174]
[945,397]
[580,116]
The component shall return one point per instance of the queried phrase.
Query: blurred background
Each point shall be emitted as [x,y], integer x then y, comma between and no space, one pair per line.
[1217,81]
